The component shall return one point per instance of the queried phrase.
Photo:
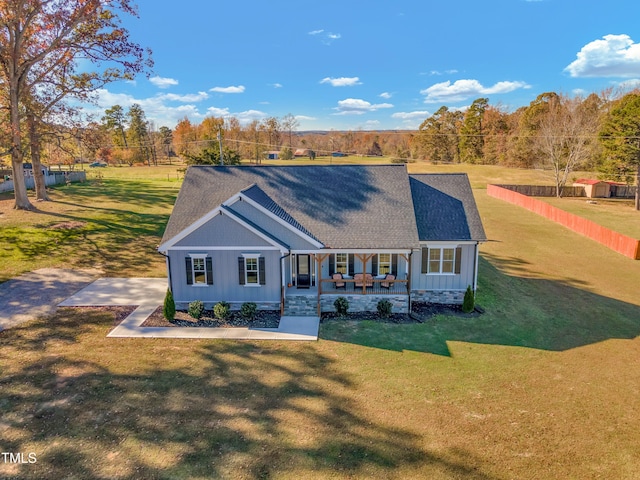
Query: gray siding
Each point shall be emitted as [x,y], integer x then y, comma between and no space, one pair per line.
[279,231]
[225,278]
[421,281]
[222,230]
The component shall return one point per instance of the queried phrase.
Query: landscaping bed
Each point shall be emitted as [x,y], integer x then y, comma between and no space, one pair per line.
[420,313]
[262,319]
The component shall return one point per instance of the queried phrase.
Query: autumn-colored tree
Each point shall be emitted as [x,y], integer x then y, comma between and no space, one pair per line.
[38,38]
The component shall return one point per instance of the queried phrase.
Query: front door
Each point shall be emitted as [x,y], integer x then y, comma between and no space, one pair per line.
[303,271]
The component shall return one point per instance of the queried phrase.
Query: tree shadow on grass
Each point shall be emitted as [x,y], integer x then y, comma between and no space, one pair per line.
[95,408]
[522,311]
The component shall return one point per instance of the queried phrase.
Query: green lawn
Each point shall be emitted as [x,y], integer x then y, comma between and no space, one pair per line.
[544,385]
[617,214]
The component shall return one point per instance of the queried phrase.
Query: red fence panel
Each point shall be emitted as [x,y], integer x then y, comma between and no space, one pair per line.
[627,246]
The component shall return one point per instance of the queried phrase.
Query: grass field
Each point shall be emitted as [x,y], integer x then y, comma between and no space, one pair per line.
[544,385]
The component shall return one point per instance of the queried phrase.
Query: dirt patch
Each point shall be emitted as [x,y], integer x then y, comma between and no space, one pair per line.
[263,319]
[67,225]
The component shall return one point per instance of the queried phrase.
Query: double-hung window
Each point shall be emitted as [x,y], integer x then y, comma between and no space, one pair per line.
[251,269]
[441,260]
[342,263]
[199,269]
[384,263]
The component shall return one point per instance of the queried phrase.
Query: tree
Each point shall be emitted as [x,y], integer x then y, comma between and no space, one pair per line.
[114,120]
[138,133]
[620,138]
[471,133]
[39,39]
[439,136]
[289,124]
[564,132]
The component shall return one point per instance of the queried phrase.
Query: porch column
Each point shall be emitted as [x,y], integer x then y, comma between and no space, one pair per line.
[319,259]
[364,258]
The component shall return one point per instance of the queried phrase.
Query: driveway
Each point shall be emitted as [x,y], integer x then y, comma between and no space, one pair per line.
[36,294]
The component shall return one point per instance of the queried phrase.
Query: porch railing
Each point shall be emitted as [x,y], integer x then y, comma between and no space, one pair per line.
[374,286]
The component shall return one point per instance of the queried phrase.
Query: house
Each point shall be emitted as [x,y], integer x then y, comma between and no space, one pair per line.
[295,238]
[273,155]
[594,188]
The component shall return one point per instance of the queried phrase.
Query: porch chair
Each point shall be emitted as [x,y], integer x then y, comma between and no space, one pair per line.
[361,278]
[388,281]
[338,281]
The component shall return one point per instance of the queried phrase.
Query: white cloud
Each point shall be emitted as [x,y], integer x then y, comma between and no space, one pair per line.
[161,82]
[304,117]
[276,85]
[463,89]
[218,112]
[611,56]
[325,37]
[231,89]
[385,95]
[342,81]
[190,97]
[411,115]
[438,72]
[356,106]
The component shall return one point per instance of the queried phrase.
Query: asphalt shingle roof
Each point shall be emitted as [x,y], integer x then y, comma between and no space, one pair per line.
[342,206]
[445,208]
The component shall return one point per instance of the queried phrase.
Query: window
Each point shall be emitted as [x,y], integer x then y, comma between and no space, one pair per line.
[251,270]
[199,269]
[342,263]
[443,260]
[384,263]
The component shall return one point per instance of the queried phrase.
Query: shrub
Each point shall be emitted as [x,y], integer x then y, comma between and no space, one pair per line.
[169,307]
[248,310]
[196,308]
[469,301]
[221,310]
[384,308]
[342,305]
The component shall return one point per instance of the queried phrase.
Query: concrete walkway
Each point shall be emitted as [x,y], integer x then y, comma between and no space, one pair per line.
[148,294]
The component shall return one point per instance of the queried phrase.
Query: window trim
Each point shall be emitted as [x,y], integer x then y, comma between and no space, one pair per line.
[381,263]
[441,260]
[345,263]
[256,257]
[207,281]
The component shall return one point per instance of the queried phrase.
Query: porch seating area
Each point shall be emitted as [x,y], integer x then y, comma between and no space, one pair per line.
[364,284]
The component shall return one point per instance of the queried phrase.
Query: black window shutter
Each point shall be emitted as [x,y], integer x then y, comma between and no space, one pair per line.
[187,262]
[352,263]
[332,264]
[241,270]
[425,259]
[458,259]
[263,279]
[394,264]
[209,263]
[374,265]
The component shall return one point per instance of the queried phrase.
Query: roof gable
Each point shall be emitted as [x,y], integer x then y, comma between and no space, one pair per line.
[345,206]
[445,208]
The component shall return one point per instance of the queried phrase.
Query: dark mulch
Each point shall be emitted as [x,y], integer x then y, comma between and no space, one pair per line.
[263,319]
[420,313]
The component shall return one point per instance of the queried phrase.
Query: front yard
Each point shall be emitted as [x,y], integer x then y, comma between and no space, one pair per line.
[543,385]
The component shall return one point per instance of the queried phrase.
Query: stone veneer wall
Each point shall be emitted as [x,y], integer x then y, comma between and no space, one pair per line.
[366,303]
[447,297]
[301,305]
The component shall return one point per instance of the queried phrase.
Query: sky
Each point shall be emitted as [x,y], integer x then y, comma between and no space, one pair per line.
[371,64]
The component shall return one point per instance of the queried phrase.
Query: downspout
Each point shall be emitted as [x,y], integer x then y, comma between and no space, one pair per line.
[168,261]
[282,283]
[475,268]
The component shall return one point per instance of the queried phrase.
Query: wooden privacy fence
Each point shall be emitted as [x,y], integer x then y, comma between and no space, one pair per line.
[616,191]
[627,246]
